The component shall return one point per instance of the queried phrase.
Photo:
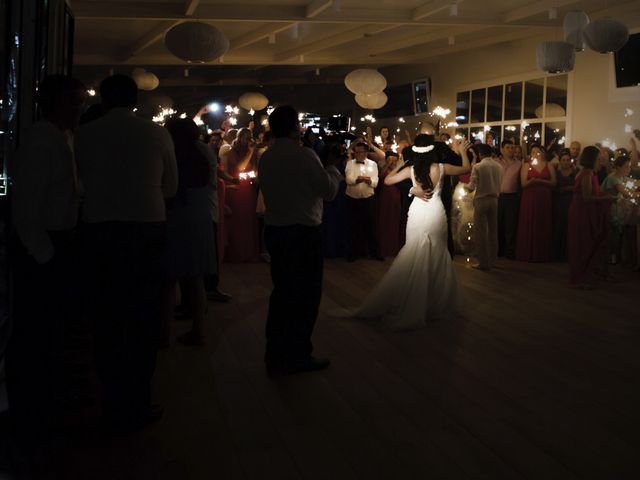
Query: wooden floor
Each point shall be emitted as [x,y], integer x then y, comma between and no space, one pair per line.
[538,381]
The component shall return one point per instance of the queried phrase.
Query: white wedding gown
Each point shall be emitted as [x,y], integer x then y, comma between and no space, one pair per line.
[421,284]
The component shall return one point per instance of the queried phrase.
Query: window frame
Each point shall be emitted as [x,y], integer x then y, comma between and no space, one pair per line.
[522,79]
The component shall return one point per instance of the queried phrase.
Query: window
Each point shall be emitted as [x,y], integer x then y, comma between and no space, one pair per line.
[495,102]
[477,106]
[532,111]
[462,107]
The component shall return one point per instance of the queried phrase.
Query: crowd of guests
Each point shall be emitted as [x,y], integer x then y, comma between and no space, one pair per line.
[118,220]
[522,201]
[110,214]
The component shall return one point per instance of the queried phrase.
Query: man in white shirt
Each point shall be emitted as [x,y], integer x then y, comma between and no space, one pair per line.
[294,184]
[45,210]
[361,175]
[128,168]
[486,178]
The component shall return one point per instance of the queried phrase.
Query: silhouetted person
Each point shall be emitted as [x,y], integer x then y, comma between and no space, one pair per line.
[128,168]
[294,184]
[45,208]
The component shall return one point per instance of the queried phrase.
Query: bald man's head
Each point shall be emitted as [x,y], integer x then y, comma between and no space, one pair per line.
[427,128]
[575,149]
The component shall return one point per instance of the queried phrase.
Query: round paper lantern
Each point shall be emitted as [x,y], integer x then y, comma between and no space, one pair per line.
[136,72]
[196,42]
[147,81]
[606,35]
[552,110]
[365,81]
[574,24]
[555,57]
[253,101]
[373,102]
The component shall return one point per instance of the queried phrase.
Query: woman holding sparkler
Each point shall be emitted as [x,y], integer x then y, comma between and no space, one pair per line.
[535,231]
[242,226]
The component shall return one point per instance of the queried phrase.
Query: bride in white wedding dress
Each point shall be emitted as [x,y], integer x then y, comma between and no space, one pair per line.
[421,284]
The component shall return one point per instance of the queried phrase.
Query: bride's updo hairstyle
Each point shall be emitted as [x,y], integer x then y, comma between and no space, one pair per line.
[424,156]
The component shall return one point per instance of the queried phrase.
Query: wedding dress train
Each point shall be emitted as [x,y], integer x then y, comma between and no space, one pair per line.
[421,284]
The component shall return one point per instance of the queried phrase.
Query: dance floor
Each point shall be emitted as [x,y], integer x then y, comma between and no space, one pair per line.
[537,381]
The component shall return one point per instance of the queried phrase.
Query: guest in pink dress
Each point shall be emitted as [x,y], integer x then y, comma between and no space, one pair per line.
[589,225]
[388,211]
[242,225]
[535,222]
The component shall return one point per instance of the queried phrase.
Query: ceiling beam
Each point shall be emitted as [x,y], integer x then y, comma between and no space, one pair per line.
[301,72]
[258,34]
[534,8]
[317,6]
[85,10]
[331,41]
[190,7]
[235,59]
[474,44]
[391,45]
[431,8]
[148,39]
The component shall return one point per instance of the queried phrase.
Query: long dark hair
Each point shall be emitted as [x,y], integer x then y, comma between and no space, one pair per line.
[422,161]
[589,157]
[193,165]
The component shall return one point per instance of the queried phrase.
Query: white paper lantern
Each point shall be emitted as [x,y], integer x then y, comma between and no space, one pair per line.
[137,71]
[574,24]
[147,81]
[555,57]
[606,35]
[365,81]
[552,110]
[196,42]
[253,101]
[373,102]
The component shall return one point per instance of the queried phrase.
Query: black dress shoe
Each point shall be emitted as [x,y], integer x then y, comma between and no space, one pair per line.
[379,258]
[351,259]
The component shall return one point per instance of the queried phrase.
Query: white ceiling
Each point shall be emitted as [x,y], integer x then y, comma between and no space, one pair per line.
[333,35]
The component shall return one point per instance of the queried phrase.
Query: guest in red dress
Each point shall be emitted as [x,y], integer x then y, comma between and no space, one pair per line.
[388,211]
[242,225]
[589,225]
[535,222]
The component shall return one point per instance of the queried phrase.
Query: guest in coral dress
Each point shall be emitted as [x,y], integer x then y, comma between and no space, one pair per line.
[535,222]
[589,225]
[388,211]
[242,224]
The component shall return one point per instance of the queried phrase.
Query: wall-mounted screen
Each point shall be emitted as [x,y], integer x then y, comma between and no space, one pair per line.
[627,63]
[421,96]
